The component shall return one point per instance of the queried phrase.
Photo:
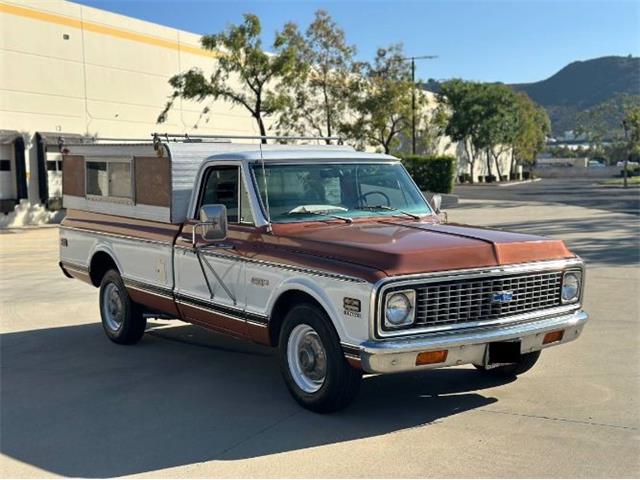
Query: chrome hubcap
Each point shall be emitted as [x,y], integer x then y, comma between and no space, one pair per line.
[113,307]
[307,358]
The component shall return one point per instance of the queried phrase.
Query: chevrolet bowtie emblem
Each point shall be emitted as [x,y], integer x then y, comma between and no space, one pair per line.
[502,297]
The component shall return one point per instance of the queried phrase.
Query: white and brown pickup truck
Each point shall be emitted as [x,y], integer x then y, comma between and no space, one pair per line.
[330,255]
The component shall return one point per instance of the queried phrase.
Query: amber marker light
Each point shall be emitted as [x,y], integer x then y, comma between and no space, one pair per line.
[553,337]
[427,358]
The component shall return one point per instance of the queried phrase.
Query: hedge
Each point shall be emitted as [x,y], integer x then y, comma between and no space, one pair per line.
[433,174]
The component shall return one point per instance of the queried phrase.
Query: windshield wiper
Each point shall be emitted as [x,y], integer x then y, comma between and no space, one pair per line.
[322,214]
[385,207]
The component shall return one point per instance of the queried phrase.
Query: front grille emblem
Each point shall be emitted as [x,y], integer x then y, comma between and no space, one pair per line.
[502,297]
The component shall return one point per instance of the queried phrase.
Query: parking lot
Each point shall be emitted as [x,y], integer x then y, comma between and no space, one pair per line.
[189,403]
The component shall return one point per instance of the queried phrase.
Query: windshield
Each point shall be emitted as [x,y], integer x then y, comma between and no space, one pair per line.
[303,192]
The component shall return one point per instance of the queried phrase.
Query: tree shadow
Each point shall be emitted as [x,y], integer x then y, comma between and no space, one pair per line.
[580,192]
[598,240]
[78,405]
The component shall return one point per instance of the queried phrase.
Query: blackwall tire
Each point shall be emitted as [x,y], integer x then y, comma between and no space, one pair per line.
[312,361]
[122,319]
[526,363]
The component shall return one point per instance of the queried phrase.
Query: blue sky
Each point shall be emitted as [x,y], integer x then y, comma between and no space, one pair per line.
[508,41]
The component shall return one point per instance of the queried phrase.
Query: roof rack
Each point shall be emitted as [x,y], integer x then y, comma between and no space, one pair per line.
[185,137]
[157,138]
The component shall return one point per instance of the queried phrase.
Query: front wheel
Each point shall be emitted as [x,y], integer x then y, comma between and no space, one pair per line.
[312,362]
[526,363]
[122,319]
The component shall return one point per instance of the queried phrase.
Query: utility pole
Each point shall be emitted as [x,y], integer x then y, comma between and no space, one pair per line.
[628,153]
[413,96]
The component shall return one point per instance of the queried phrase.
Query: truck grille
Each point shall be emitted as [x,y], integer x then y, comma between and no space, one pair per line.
[460,301]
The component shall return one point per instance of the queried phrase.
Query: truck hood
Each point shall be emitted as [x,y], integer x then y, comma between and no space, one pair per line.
[408,247]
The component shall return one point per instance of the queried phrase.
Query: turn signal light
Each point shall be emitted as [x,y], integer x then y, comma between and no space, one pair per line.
[427,358]
[552,337]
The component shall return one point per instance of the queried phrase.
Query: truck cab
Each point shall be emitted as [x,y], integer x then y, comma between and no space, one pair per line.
[331,256]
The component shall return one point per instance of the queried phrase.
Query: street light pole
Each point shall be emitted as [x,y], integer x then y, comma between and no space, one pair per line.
[413,106]
[628,152]
[413,96]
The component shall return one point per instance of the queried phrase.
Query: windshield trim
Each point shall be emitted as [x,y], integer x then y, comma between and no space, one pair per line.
[391,214]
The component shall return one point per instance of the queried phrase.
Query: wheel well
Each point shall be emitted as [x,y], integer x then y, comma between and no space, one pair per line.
[100,264]
[286,302]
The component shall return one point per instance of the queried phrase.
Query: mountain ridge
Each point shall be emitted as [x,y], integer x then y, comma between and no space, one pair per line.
[579,86]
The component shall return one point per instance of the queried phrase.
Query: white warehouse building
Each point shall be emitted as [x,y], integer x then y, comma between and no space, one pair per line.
[71,71]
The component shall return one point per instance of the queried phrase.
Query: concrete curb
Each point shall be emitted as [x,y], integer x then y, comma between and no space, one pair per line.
[511,184]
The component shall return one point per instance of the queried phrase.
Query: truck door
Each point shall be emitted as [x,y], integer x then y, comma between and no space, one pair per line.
[210,290]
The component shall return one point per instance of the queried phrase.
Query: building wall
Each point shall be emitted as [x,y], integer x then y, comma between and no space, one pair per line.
[74,69]
[71,69]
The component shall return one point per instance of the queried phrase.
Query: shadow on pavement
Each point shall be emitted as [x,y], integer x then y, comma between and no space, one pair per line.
[583,192]
[76,404]
[620,247]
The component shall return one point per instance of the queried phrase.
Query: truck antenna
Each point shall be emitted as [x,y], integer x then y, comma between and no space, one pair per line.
[266,190]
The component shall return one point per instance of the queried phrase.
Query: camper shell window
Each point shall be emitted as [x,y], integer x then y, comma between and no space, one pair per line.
[109,179]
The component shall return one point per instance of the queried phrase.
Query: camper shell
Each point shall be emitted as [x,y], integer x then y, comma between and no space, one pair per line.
[162,174]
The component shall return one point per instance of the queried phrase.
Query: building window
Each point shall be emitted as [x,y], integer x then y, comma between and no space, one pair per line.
[109,178]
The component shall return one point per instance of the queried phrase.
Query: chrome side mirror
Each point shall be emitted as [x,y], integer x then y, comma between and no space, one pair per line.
[213,223]
[436,202]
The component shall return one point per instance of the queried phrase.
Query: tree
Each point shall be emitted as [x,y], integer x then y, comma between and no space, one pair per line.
[318,95]
[498,122]
[631,126]
[532,128]
[241,56]
[460,106]
[603,122]
[382,101]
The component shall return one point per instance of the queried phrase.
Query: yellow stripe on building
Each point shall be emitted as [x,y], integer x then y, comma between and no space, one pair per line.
[103,29]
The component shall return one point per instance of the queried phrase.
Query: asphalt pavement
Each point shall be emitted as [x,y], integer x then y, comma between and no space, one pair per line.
[189,403]
[582,192]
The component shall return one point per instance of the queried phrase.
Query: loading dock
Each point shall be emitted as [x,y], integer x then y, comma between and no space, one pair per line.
[13,173]
[49,162]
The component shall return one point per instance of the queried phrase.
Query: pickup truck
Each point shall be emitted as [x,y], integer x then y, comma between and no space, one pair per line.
[332,256]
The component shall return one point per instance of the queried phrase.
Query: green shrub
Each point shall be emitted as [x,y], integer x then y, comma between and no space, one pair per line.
[434,174]
[632,171]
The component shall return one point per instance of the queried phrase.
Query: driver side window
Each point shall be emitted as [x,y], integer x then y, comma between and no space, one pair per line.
[224,186]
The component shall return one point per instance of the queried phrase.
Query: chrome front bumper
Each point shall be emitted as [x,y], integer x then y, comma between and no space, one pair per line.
[468,346]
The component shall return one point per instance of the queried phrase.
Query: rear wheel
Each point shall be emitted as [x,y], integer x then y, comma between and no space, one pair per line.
[312,362]
[526,363]
[122,319]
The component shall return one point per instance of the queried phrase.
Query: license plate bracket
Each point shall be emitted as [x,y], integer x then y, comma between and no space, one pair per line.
[503,352]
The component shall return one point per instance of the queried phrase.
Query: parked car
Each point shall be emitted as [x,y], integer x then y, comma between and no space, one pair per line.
[631,165]
[329,255]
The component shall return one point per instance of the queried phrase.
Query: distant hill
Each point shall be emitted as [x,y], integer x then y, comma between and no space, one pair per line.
[583,85]
[577,87]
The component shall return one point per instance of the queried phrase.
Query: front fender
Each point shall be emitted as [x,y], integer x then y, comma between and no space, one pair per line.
[330,294]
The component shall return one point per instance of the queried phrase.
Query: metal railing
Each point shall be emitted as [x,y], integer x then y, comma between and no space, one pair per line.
[158,138]
[185,137]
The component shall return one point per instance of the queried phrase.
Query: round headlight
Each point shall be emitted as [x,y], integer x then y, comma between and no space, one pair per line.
[570,287]
[398,310]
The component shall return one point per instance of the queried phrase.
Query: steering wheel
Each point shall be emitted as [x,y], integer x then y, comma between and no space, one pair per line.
[364,196]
